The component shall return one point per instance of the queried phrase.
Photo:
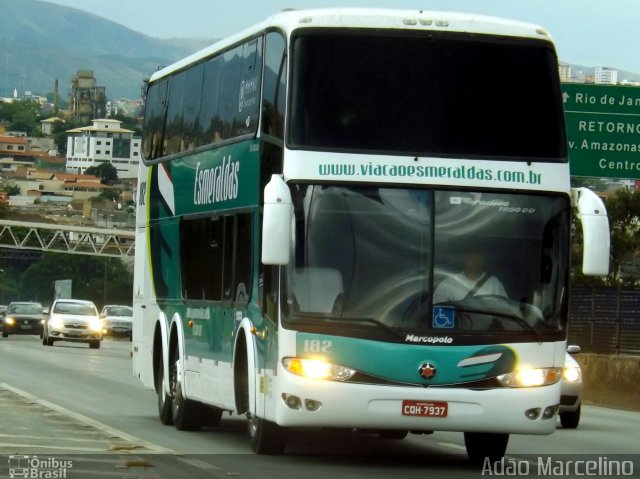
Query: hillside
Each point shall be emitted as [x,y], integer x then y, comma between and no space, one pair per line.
[41,42]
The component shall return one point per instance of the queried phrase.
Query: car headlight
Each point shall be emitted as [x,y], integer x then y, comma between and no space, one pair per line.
[56,323]
[572,374]
[317,369]
[9,320]
[527,378]
[95,324]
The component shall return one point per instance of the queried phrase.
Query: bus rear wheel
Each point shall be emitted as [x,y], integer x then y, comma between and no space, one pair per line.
[267,437]
[164,400]
[483,445]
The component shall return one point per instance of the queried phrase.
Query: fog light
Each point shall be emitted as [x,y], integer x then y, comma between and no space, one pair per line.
[532,413]
[312,405]
[293,402]
[549,412]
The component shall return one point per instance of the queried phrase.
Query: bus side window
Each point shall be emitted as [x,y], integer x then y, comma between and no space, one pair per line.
[174,113]
[191,108]
[274,89]
[154,124]
[246,118]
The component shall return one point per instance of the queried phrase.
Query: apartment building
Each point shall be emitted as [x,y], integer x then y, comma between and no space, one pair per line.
[105,141]
[605,75]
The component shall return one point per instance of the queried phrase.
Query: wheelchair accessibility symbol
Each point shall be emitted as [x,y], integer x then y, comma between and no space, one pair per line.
[443,317]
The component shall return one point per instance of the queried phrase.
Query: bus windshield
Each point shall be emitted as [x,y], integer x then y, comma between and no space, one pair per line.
[393,257]
[427,93]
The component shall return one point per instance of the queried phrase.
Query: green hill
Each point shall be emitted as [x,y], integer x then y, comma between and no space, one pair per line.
[41,42]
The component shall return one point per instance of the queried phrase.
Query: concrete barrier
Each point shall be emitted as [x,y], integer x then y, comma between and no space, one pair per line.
[610,381]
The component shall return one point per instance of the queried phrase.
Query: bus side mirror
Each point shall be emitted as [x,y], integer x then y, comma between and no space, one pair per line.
[276,222]
[595,231]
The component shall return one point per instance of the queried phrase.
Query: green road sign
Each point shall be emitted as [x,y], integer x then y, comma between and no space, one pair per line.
[603,129]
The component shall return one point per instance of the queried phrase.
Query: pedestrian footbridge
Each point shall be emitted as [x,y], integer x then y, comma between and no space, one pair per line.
[22,237]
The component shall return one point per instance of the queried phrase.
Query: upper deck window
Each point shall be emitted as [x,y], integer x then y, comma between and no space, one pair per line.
[474,96]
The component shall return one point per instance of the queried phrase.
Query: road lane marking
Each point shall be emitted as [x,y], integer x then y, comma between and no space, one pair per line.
[199,464]
[48,446]
[155,448]
[452,445]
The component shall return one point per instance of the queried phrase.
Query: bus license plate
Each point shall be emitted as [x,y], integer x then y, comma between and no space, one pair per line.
[424,408]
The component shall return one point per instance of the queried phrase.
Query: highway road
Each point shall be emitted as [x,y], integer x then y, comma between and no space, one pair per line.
[71,403]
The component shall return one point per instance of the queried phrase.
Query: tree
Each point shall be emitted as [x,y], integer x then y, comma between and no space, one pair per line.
[23,115]
[623,209]
[129,123]
[11,189]
[105,171]
[98,279]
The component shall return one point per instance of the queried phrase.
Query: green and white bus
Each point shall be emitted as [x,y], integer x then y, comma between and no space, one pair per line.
[308,184]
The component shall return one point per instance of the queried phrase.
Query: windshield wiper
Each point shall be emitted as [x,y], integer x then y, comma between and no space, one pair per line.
[372,321]
[526,326]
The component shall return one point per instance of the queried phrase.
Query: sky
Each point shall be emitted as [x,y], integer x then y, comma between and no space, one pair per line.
[586,32]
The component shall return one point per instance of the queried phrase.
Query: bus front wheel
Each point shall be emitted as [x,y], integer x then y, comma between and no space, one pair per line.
[267,437]
[184,412]
[484,445]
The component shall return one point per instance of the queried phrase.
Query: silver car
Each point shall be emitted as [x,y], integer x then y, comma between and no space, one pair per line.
[571,392]
[117,320]
[73,320]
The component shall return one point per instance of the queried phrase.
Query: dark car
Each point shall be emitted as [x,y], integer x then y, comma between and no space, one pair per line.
[23,318]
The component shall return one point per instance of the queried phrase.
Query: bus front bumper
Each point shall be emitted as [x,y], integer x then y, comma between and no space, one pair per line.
[305,402]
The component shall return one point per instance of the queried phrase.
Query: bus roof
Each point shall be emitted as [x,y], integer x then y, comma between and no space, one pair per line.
[418,20]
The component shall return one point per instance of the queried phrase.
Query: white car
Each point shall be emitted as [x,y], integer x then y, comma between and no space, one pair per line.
[571,392]
[117,320]
[73,320]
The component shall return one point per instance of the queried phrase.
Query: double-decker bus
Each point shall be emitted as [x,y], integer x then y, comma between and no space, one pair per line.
[309,183]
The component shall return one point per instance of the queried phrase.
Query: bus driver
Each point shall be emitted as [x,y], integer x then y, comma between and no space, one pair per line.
[472,281]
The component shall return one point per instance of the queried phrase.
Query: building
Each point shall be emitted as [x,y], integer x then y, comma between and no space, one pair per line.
[103,142]
[565,72]
[87,100]
[47,187]
[11,145]
[605,75]
[47,125]
[18,149]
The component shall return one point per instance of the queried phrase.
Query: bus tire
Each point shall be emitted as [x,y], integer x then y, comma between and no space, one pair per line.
[164,400]
[393,434]
[267,437]
[184,412]
[570,419]
[211,415]
[482,445]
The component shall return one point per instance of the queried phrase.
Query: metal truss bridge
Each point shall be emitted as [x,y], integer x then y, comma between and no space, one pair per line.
[22,240]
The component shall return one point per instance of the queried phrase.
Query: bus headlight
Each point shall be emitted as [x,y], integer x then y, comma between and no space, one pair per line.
[317,369]
[572,375]
[528,378]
